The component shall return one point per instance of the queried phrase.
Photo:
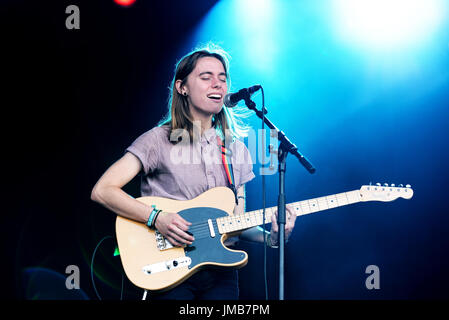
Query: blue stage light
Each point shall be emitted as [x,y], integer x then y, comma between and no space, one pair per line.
[386,24]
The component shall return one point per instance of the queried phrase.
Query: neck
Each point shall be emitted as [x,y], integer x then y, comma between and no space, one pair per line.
[203,121]
[254,218]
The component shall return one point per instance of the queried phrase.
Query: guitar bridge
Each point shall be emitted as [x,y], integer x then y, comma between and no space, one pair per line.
[161,242]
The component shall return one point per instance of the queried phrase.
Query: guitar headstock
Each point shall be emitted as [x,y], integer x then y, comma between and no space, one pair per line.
[385,192]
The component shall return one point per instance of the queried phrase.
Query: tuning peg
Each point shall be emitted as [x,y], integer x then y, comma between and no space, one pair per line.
[393,185]
[385,184]
[408,186]
[378,184]
[370,183]
[401,185]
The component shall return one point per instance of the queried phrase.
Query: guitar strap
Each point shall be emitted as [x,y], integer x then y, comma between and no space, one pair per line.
[227,164]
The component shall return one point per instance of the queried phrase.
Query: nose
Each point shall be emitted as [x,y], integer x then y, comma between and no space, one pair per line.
[216,83]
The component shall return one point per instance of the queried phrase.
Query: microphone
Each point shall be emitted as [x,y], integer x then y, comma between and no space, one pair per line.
[231,99]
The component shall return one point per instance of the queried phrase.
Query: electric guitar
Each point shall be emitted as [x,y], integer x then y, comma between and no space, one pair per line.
[152,263]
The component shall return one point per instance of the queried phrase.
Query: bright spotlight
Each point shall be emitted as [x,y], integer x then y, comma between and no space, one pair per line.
[125,3]
[386,24]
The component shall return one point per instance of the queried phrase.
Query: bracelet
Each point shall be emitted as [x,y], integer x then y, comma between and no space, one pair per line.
[269,243]
[151,218]
[155,217]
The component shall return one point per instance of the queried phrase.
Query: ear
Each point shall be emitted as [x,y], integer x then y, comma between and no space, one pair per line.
[179,87]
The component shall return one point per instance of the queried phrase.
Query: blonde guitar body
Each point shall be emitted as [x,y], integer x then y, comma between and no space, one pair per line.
[139,247]
[152,263]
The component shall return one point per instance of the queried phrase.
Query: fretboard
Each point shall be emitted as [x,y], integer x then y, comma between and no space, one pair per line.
[255,218]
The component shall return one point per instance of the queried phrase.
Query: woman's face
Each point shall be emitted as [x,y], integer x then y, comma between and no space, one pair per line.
[206,87]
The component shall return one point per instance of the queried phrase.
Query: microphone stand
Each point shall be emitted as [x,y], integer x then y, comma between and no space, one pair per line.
[285,147]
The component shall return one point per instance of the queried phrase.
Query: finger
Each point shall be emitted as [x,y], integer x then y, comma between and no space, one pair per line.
[173,241]
[181,240]
[186,235]
[291,216]
[183,221]
[180,235]
[180,223]
[290,225]
[289,211]
[274,224]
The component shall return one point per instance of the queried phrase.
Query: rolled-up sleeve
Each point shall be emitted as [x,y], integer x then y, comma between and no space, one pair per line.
[145,148]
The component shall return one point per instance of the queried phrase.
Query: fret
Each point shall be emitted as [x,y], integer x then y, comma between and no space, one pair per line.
[252,218]
[259,219]
[353,196]
[313,204]
[296,208]
[249,218]
[226,224]
[245,221]
[322,203]
[221,222]
[305,207]
[332,201]
[299,208]
[236,222]
[342,199]
[268,213]
[233,223]
[255,218]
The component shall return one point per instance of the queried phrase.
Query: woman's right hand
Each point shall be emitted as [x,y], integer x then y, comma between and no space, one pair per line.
[174,228]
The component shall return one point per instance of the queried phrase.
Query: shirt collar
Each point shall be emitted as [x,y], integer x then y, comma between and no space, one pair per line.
[209,135]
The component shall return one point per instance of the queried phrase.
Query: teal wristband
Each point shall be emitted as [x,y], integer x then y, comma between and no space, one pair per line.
[269,243]
[151,217]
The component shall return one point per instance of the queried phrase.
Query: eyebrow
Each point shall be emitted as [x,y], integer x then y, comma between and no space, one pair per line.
[210,73]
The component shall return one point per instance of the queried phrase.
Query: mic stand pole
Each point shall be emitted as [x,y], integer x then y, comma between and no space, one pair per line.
[284,148]
[282,156]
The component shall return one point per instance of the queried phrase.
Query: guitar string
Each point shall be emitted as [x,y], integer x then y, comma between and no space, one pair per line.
[247,216]
[201,229]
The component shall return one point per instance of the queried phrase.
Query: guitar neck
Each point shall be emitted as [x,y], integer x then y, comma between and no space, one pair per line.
[255,218]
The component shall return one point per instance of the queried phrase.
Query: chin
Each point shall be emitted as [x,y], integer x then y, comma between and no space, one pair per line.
[213,109]
[217,111]
[209,108]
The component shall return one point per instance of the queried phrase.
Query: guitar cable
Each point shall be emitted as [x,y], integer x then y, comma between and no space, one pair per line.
[92,269]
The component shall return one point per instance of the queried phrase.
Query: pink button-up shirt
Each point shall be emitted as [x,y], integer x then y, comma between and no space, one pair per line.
[183,171]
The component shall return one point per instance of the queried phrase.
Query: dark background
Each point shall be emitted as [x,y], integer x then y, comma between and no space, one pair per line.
[75,99]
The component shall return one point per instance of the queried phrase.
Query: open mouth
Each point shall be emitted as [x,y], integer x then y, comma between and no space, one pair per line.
[215,96]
